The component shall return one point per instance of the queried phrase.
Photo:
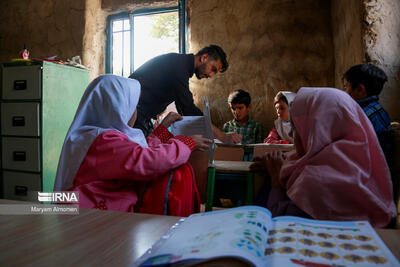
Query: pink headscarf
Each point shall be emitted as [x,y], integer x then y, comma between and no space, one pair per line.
[343,174]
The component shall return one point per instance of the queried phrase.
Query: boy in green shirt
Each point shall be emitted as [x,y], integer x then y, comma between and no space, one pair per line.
[251,130]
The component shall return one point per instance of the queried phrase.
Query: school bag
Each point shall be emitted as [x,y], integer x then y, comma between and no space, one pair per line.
[174,194]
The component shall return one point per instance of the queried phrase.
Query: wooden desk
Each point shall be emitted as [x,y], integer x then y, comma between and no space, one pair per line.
[229,167]
[253,150]
[93,238]
[271,147]
[199,161]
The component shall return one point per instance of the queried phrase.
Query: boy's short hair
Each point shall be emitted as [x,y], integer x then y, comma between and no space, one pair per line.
[280,97]
[372,77]
[239,97]
[216,53]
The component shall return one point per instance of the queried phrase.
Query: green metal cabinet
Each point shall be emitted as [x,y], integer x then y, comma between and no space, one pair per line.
[38,104]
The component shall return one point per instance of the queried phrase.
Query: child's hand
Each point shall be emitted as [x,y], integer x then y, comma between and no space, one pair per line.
[259,164]
[232,138]
[270,162]
[170,118]
[202,143]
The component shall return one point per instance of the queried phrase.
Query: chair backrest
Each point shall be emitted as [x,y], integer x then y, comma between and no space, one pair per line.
[229,153]
[394,165]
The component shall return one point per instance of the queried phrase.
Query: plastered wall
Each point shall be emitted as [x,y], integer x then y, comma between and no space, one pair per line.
[123,5]
[369,31]
[63,28]
[382,44]
[48,27]
[348,43]
[271,46]
[95,38]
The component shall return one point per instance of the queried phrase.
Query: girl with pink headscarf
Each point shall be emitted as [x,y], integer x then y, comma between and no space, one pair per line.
[338,171]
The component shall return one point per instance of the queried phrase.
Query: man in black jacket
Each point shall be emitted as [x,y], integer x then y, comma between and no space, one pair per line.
[165,79]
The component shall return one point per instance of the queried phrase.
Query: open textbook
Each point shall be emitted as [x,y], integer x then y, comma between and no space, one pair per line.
[248,235]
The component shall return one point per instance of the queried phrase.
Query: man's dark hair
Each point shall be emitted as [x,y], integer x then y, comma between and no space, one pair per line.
[239,97]
[372,77]
[216,53]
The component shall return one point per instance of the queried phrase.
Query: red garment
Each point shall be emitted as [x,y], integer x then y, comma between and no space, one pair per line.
[118,174]
[273,138]
[183,197]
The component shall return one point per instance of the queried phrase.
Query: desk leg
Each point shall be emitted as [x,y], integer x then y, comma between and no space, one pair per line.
[210,188]
[248,154]
[250,188]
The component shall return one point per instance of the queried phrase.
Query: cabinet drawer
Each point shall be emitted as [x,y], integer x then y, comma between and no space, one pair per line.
[22,82]
[21,154]
[21,186]
[20,119]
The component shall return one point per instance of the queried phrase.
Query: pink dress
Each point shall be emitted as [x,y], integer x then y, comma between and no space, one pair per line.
[273,138]
[113,166]
[118,174]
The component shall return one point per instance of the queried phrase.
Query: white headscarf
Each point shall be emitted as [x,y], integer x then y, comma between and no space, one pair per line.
[284,127]
[107,104]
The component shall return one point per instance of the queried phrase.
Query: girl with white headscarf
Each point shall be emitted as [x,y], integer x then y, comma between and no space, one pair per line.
[338,171]
[281,133]
[113,166]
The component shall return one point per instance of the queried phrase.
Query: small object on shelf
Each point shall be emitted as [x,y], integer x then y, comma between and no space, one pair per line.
[24,54]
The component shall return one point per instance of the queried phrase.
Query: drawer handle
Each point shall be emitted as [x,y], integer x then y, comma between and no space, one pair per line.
[18,121]
[20,190]
[20,85]
[19,156]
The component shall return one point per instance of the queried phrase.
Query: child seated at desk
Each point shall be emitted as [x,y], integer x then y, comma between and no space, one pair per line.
[251,130]
[114,167]
[338,171]
[281,133]
[364,83]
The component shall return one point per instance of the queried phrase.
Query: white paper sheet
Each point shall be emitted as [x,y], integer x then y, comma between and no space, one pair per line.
[200,125]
